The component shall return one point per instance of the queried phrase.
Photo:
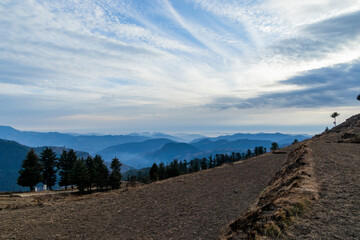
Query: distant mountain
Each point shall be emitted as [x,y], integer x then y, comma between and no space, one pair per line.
[158,135]
[88,143]
[188,137]
[280,138]
[144,154]
[173,150]
[227,146]
[131,150]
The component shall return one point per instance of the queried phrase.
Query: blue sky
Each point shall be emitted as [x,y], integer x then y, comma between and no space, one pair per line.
[178,66]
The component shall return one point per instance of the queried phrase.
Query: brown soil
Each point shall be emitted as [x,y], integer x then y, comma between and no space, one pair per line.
[193,206]
[336,215]
[288,195]
[332,212]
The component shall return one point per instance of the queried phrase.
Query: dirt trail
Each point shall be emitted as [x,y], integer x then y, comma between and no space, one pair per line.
[336,214]
[193,206]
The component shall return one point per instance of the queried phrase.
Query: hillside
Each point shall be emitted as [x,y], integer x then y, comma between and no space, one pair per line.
[316,193]
[192,206]
[309,190]
[11,156]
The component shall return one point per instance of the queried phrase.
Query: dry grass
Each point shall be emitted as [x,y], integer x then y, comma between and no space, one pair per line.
[288,195]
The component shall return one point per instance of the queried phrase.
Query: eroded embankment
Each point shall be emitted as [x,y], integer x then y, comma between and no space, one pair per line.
[288,195]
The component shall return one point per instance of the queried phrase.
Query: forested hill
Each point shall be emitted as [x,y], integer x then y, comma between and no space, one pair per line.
[11,156]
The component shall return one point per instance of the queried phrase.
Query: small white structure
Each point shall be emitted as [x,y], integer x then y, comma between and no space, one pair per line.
[44,187]
[36,189]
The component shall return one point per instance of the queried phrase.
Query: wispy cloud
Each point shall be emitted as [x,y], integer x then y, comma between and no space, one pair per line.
[144,59]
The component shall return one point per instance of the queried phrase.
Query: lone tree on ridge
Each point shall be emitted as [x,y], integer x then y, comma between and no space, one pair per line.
[358,97]
[334,115]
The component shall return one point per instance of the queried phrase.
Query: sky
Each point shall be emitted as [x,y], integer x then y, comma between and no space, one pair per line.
[196,66]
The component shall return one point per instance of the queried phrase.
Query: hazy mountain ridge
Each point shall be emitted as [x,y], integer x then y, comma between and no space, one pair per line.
[170,150]
[280,138]
[88,143]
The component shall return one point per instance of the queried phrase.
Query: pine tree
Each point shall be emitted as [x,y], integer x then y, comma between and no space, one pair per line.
[173,170]
[295,141]
[89,163]
[71,159]
[154,173]
[203,164]
[248,154]
[102,172]
[115,175]
[162,171]
[30,172]
[79,175]
[64,169]
[274,146]
[48,162]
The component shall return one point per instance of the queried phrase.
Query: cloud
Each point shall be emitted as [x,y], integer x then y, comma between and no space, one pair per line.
[332,86]
[155,58]
[319,39]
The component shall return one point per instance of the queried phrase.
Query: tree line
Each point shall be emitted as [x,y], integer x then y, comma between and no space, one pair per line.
[84,173]
[176,167]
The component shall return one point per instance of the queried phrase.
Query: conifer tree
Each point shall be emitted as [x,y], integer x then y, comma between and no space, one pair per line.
[210,162]
[79,175]
[154,173]
[358,97]
[274,146]
[173,170]
[248,154]
[64,167]
[89,163]
[203,164]
[48,162]
[65,163]
[162,171]
[30,172]
[115,175]
[71,155]
[102,172]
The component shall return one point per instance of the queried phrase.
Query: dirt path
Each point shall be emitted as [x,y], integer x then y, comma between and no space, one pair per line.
[194,206]
[336,215]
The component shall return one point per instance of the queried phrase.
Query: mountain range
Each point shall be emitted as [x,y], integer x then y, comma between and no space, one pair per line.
[134,150]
